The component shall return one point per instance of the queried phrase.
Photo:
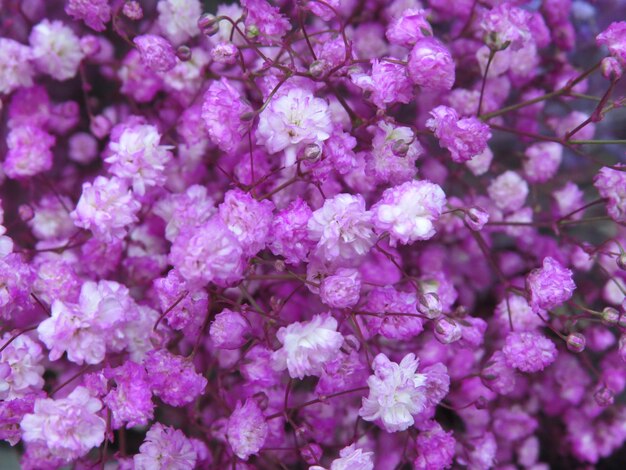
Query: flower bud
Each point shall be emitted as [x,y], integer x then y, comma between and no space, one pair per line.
[447,330]
[183,53]
[576,342]
[261,399]
[481,403]
[611,68]
[25,212]
[317,68]
[208,24]
[312,152]
[132,10]
[400,148]
[100,126]
[429,305]
[610,316]
[604,396]
[90,45]
[351,343]
[311,453]
[476,218]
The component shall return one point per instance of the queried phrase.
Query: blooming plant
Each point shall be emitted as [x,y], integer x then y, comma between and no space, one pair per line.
[313,234]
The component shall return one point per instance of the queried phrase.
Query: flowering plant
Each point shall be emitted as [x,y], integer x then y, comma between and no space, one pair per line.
[312,234]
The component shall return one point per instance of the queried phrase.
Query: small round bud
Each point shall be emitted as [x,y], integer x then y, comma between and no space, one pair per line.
[100,126]
[252,31]
[622,320]
[428,304]
[317,68]
[576,342]
[481,403]
[611,69]
[25,212]
[621,261]
[476,218]
[312,152]
[610,316]
[208,24]
[604,396]
[132,10]
[183,53]
[351,343]
[447,330]
[90,45]
[311,453]
[400,148]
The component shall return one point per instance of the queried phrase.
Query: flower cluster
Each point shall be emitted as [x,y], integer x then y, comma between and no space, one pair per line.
[312,234]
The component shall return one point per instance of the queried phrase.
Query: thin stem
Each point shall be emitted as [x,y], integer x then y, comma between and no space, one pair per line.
[492,54]
[317,400]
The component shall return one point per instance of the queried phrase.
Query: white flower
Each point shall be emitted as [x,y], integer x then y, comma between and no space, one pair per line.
[293,120]
[342,228]
[138,156]
[56,49]
[178,19]
[307,346]
[408,211]
[21,359]
[352,458]
[397,393]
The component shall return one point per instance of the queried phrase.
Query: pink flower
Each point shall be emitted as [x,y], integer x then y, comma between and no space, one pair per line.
[15,67]
[508,191]
[222,111]
[138,156]
[306,347]
[614,37]
[395,150]
[435,448]
[542,161]
[106,207]
[173,378]
[165,447]
[29,152]
[288,232]
[229,330]
[67,427]
[130,401]
[209,253]
[431,65]
[550,285]
[342,229]
[95,13]
[463,137]
[351,458]
[293,120]
[178,19]
[23,371]
[506,25]
[247,429]
[611,184]
[248,219]
[342,289]
[265,21]
[409,210]
[529,351]
[388,83]
[156,52]
[409,28]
